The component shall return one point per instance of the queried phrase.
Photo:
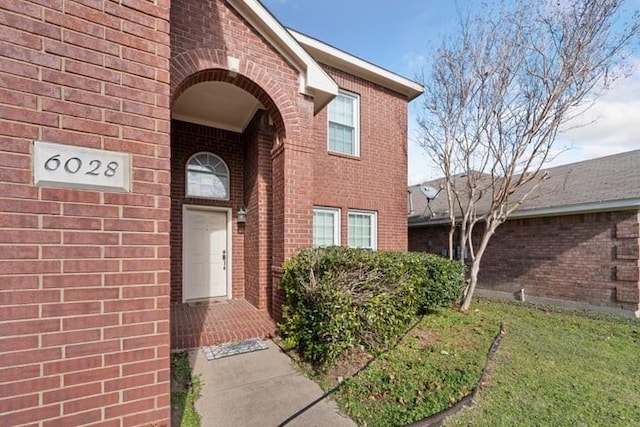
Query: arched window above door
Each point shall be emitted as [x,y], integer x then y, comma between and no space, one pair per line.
[207,177]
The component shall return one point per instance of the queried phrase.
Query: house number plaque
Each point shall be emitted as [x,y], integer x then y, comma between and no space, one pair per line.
[58,165]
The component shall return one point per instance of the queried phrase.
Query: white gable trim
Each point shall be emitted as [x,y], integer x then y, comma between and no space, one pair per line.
[313,80]
[341,60]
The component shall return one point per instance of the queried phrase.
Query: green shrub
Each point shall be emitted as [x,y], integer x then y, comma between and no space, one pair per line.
[336,298]
[442,282]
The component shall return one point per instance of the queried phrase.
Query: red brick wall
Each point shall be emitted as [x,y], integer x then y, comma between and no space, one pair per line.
[375,180]
[188,139]
[84,275]
[258,196]
[303,174]
[433,239]
[581,258]
[248,158]
[203,35]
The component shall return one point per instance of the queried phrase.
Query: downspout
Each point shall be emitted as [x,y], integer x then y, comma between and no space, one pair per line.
[411,212]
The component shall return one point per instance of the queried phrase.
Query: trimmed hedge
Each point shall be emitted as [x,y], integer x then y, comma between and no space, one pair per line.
[336,297]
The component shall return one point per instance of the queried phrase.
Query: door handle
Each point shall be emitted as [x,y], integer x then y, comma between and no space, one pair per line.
[224,259]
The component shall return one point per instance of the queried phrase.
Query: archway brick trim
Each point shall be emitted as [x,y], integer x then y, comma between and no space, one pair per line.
[202,65]
[292,114]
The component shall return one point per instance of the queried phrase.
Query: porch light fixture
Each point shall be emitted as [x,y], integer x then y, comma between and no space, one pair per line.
[242,215]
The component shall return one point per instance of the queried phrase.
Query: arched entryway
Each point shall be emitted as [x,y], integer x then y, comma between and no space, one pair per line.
[225,130]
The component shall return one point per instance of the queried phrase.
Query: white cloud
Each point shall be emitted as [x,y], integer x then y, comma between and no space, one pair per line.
[610,126]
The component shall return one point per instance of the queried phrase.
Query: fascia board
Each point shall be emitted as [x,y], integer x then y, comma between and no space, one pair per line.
[613,205]
[341,60]
[314,81]
[582,208]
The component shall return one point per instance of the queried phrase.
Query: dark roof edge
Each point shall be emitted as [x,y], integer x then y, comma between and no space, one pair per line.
[580,208]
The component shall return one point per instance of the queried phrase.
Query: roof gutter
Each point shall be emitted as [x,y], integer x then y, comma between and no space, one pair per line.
[615,205]
[581,208]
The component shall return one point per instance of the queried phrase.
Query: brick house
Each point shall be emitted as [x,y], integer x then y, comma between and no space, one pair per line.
[159,160]
[576,242]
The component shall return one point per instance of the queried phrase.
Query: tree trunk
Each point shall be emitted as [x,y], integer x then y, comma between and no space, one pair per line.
[473,280]
[462,241]
[490,228]
[452,231]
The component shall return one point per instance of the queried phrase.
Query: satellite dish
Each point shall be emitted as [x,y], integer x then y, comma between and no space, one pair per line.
[429,192]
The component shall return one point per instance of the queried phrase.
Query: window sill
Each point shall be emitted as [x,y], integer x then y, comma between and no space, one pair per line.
[344,156]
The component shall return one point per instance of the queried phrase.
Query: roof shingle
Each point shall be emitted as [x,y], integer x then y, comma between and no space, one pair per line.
[584,186]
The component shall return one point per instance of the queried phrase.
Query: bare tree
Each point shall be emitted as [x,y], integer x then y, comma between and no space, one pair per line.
[497,93]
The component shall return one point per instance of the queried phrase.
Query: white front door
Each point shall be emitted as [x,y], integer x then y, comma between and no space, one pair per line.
[205,254]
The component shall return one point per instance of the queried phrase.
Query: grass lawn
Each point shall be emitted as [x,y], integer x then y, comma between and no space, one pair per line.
[185,390]
[560,368]
[554,367]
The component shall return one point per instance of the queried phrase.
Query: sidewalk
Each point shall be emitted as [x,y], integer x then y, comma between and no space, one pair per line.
[261,389]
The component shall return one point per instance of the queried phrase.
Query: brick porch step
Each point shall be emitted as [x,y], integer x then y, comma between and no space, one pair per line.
[209,323]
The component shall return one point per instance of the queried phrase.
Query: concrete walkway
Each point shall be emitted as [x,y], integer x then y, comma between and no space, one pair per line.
[261,389]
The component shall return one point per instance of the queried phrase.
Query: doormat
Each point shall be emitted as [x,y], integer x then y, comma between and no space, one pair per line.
[233,348]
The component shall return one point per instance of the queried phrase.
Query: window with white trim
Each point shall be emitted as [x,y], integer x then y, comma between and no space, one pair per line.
[363,229]
[326,227]
[207,177]
[344,123]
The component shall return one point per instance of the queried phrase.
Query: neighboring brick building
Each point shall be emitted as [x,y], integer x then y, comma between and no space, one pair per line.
[575,242]
[134,135]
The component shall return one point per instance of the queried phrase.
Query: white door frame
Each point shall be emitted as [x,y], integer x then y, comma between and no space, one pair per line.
[228,211]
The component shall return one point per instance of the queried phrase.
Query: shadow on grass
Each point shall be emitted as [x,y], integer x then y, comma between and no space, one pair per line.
[466,401]
[432,420]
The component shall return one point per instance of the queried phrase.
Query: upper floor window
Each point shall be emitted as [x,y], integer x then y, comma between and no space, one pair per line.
[207,177]
[344,123]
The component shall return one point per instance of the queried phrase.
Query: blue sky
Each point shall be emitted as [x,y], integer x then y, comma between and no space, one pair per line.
[398,35]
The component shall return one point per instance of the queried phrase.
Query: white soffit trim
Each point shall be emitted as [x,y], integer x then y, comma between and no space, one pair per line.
[314,81]
[341,60]
[613,205]
[582,208]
